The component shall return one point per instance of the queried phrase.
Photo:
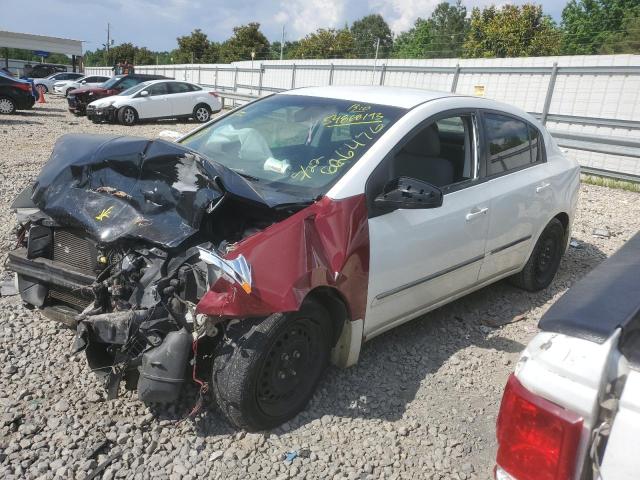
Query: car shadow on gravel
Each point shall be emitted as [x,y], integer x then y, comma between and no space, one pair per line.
[11,121]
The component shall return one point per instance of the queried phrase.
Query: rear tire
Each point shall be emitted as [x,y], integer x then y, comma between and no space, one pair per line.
[544,261]
[202,113]
[127,116]
[268,369]
[7,106]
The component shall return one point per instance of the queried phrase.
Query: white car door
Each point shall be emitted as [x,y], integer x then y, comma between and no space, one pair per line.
[420,258]
[154,105]
[523,200]
[182,98]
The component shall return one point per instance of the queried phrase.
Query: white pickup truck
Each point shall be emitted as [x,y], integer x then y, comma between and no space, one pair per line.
[571,409]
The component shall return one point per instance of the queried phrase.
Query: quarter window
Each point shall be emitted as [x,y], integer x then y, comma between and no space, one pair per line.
[512,143]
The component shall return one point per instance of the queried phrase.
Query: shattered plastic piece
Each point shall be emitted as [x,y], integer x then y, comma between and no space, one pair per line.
[8,288]
[601,232]
[237,269]
[575,243]
[289,457]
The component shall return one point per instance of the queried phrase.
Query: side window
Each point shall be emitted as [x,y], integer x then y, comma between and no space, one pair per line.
[158,89]
[508,143]
[128,83]
[194,88]
[441,153]
[178,87]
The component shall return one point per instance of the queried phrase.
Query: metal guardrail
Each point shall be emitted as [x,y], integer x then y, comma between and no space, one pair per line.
[601,144]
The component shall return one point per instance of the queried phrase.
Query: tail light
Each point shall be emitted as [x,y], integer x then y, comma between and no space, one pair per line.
[214,94]
[24,86]
[537,439]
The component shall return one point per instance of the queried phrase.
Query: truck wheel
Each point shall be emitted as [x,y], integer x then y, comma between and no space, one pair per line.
[202,113]
[268,369]
[7,105]
[544,261]
[127,116]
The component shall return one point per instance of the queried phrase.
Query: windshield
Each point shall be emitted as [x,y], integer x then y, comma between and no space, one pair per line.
[134,89]
[293,143]
[111,82]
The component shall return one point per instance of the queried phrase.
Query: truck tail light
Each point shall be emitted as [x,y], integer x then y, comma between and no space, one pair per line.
[537,439]
[214,94]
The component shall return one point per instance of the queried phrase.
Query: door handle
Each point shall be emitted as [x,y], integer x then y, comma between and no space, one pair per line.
[476,212]
[542,187]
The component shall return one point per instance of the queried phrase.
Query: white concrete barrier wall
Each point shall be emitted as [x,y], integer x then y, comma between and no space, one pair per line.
[602,95]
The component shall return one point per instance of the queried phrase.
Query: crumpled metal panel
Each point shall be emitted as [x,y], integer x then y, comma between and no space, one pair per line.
[326,244]
[114,187]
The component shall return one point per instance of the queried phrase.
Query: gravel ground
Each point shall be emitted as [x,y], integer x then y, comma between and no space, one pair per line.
[421,403]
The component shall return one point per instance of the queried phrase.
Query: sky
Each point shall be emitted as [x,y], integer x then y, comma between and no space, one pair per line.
[156,23]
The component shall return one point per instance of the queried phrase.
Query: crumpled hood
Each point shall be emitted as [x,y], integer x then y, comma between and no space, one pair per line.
[114,187]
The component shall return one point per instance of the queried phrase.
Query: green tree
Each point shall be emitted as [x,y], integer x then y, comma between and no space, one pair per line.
[245,39]
[589,24]
[627,40]
[325,43]
[367,31]
[414,43]
[196,48]
[511,31]
[125,52]
[448,26]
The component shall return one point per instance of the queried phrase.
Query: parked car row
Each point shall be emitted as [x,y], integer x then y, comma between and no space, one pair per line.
[127,99]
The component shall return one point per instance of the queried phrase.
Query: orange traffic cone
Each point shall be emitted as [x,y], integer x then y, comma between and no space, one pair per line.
[41,97]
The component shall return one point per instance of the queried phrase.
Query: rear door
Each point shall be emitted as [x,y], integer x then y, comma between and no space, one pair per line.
[522,199]
[182,98]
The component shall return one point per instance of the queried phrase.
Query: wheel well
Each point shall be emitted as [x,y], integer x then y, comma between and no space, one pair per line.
[332,300]
[202,104]
[564,220]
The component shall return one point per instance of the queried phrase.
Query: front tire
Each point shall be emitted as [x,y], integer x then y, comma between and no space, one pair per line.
[127,116]
[42,88]
[202,113]
[268,369]
[7,106]
[544,261]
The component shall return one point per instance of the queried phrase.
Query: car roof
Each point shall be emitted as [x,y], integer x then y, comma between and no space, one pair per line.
[392,96]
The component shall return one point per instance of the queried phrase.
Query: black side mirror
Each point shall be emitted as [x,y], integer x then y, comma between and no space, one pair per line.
[406,192]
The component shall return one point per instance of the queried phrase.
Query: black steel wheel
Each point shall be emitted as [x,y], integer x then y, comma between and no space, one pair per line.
[269,369]
[544,261]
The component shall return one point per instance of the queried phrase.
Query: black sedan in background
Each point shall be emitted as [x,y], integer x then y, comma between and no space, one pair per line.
[15,94]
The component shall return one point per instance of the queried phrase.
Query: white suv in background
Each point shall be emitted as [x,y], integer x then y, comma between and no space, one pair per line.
[156,99]
[65,86]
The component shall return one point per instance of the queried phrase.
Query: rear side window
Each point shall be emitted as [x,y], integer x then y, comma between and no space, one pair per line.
[179,87]
[511,143]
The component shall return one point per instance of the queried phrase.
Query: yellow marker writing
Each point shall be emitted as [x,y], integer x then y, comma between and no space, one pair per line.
[104,214]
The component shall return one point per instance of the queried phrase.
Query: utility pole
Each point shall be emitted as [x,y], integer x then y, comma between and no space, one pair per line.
[108,37]
[282,43]
[375,61]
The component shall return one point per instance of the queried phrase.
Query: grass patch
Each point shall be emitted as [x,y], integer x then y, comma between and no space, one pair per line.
[611,183]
